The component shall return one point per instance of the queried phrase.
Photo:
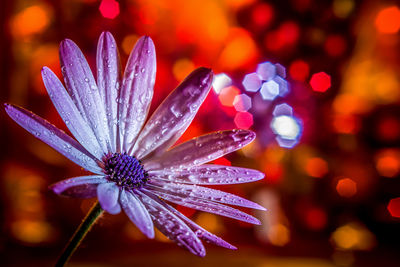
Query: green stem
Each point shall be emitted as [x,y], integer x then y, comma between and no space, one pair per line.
[87,223]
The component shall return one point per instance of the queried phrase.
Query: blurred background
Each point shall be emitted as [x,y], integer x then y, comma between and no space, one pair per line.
[318,81]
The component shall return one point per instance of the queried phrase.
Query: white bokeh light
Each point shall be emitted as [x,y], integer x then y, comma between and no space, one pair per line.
[221,81]
[286,127]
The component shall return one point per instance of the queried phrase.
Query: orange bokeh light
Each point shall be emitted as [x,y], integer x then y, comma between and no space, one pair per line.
[30,21]
[239,50]
[316,167]
[388,20]
[182,68]
[388,163]
[347,124]
[227,95]
[346,187]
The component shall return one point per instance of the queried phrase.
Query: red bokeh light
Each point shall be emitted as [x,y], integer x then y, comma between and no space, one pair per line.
[320,82]
[299,70]
[243,120]
[109,8]
[222,161]
[315,218]
[287,35]
[394,207]
[335,45]
[389,129]
[262,14]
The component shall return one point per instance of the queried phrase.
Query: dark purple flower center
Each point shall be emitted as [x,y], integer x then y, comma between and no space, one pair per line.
[126,171]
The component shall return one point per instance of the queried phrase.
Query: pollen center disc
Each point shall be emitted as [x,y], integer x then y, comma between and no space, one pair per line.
[126,171]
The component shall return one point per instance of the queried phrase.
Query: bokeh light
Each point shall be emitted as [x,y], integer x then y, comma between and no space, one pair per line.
[109,8]
[394,207]
[346,187]
[328,133]
[320,82]
[388,20]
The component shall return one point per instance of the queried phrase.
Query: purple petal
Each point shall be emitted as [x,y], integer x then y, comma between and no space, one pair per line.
[54,137]
[137,212]
[201,150]
[136,91]
[84,92]
[108,194]
[209,174]
[175,114]
[115,210]
[199,231]
[199,192]
[204,205]
[69,113]
[81,187]
[170,225]
[109,80]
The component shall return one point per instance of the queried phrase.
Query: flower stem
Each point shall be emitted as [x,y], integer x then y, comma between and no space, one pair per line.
[87,223]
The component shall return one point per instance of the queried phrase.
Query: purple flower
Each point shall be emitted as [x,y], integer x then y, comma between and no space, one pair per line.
[133,167]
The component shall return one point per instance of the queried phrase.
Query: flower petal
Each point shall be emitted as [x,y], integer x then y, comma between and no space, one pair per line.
[206,206]
[170,225]
[137,212]
[199,231]
[174,114]
[115,210]
[109,81]
[136,91]
[108,194]
[209,174]
[70,114]
[82,187]
[84,92]
[201,150]
[54,137]
[200,192]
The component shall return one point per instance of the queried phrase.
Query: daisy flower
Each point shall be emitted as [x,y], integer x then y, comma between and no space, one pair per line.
[134,167]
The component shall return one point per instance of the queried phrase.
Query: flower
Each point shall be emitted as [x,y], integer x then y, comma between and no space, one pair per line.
[132,165]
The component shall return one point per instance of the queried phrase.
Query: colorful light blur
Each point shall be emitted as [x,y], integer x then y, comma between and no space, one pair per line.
[109,8]
[335,150]
[31,20]
[346,187]
[394,207]
[353,236]
[320,82]
[388,20]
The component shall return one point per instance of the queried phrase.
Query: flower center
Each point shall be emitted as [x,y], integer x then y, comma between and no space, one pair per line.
[126,171]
